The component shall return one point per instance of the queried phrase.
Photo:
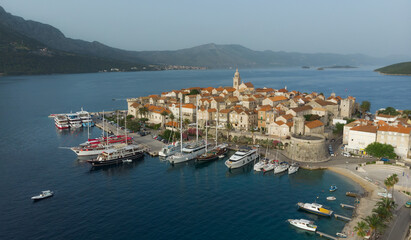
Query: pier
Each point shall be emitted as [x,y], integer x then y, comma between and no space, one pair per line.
[347,206]
[341,217]
[326,235]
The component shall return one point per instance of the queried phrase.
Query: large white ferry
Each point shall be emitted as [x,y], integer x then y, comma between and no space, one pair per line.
[85,118]
[241,158]
[74,120]
[61,121]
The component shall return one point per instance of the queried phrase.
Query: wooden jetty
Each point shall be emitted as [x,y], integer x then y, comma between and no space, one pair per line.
[341,217]
[347,206]
[326,235]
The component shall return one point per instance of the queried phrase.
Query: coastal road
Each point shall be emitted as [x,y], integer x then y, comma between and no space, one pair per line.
[399,227]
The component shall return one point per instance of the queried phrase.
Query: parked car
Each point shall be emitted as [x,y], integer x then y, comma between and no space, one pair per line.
[408,204]
[159,138]
[385,159]
[346,154]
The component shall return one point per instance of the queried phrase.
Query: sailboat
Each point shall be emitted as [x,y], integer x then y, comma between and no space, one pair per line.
[190,151]
[217,151]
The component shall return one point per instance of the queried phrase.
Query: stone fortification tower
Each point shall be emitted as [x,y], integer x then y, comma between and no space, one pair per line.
[236,79]
[299,125]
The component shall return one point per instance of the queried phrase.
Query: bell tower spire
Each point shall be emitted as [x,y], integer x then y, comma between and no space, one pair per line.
[236,79]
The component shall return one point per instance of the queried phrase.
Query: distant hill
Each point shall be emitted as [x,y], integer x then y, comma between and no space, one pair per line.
[23,55]
[208,55]
[403,68]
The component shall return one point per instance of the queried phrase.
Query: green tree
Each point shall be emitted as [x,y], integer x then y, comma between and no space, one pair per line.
[379,150]
[383,213]
[386,203]
[406,114]
[228,127]
[194,92]
[361,228]
[375,223]
[339,128]
[389,111]
[365,107]
[164,115]
[143,111]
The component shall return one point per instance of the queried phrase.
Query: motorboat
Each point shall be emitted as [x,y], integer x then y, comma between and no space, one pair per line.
[170,149]
[214,153]
[303,224]
[341,235]
[116,156]
[74,120]
[241,157]
[188,153]
[293,168]
[43,195]
[282,167]
[315,208]
[127,161]
[331,198]
[333,188]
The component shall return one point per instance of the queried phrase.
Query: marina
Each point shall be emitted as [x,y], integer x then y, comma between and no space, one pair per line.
[147,181]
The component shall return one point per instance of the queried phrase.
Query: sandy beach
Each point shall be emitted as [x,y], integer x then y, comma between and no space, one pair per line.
[367,203]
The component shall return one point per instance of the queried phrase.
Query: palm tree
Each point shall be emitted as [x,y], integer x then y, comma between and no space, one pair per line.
[143,111]
[228,127]
[164,114]
[394,180]
[364,107]
[386,203]
[375,223]
[361,228]
[383,213]
[172,128]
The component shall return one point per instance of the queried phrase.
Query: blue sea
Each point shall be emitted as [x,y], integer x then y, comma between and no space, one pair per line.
[151,199]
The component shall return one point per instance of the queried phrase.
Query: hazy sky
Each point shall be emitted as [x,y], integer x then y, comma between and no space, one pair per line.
[373,27]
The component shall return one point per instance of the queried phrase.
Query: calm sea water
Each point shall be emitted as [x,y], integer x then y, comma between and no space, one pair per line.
[151,199]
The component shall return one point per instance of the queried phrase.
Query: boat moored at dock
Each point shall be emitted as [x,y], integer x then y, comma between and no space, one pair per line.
[85,118]
[303,224]
[214,153]
[188,153]
[116,156]
[293,168]
[315,208]
[241,157]
[282,167]
[61,121]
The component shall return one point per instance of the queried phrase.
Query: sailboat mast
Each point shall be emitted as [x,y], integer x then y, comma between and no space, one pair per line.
[117,125]
[125,128]
[103,125]
[216,128]
[181,126]
[196,118]
[206,125]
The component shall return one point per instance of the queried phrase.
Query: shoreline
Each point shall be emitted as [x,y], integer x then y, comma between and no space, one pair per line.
[367,203]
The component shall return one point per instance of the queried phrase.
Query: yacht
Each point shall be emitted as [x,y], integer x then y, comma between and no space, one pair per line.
[241,158]
[43,195]
[293,168]
[270,165]
[61,121]
[282,167]
[303,224]
[85,118]
[188,153]
[116,156]
[170,149]
[315,208]
[74,120]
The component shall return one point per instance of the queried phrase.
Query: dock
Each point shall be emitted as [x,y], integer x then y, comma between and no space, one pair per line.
[341,217]
[347,206]
[326,235]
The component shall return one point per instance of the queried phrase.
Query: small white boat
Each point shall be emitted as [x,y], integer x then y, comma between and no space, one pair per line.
[270,165]
[221,156]
[127,161]
[43,194]
[282,167]
[293,168]
[341,235]
[303,224]
[331,198]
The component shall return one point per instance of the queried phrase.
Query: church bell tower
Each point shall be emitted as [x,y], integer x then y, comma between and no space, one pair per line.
[236,79]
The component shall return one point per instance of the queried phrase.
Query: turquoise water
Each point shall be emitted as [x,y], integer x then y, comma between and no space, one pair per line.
[151,199]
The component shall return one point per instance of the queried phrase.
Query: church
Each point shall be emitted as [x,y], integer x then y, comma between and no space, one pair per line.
[241,86]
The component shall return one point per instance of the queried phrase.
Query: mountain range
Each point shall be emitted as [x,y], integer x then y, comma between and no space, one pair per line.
[208,55]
